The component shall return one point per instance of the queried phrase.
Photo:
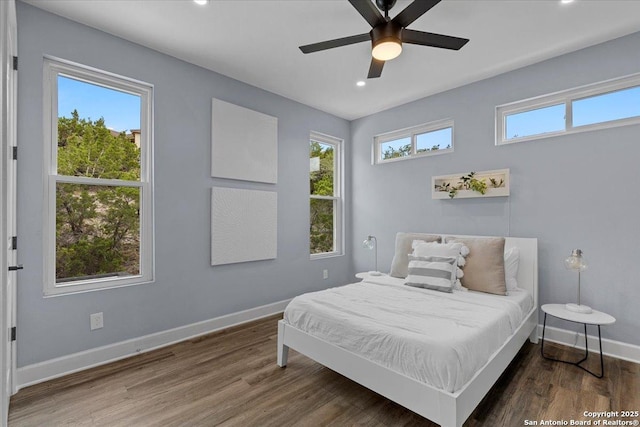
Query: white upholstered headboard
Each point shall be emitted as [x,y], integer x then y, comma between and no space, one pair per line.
[528,264]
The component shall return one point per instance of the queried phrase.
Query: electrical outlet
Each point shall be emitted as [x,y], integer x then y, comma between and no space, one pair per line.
[97,321]
[325,274]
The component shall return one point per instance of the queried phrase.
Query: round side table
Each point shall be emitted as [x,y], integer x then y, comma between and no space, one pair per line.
[597,318]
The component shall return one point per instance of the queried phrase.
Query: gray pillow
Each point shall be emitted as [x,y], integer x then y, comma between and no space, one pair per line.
[484,267]
[432,272]
[400,262]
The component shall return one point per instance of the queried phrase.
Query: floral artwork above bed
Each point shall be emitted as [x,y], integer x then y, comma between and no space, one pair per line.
[493,183]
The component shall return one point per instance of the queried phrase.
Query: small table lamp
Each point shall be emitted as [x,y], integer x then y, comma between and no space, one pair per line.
[577,262]
[372,243]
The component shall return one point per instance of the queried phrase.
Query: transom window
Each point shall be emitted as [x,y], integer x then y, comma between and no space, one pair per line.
[325,189]
[427,139]
[99,194]
[598,106]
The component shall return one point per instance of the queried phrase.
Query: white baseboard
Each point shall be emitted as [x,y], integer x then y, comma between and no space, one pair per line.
[612,348]
[54,368]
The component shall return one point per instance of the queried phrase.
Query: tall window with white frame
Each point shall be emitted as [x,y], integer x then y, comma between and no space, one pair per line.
[98,147]
[325,205]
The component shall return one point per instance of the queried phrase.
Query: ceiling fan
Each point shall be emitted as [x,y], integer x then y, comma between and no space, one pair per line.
[387,35]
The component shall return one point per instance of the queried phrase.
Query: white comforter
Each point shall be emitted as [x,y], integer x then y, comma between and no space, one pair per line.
[437,338]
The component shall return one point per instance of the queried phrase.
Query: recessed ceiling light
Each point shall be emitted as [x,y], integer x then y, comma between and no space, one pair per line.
[201,2]
[361,83]
[566,1]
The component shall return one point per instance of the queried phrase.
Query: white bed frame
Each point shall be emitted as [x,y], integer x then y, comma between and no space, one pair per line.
[444,408]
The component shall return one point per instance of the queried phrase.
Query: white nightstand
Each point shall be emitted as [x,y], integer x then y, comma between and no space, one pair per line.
[597,318]
[368,274]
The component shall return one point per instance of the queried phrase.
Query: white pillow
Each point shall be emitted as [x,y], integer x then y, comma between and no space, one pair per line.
[422,248]
[432,272]
[400,262]
[511,261]
[448,250]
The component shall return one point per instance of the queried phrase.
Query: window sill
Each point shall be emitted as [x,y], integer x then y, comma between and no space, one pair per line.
[59,291]
[325,255]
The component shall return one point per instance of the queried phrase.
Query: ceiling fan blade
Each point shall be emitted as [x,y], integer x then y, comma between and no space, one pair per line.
[434,40]
[414,11]
[375,69]
[368,11]
[330,44]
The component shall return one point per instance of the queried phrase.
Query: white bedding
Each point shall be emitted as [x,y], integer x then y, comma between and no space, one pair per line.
[437,338]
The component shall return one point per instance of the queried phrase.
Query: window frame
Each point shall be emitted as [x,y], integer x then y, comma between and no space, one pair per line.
[338,195]
[413,132]
[53,67]
[566,97]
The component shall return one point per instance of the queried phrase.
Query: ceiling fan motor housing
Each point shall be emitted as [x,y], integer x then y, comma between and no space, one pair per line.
[387,32]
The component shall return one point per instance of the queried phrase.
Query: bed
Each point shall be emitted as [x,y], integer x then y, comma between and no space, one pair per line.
[439,375]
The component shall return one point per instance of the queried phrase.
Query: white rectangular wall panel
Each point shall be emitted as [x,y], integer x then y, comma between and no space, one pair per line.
[244,225]
[244,143]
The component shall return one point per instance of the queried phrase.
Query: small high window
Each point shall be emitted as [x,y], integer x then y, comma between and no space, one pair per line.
[597,106]
[428,139]
[609,107]
[538,121]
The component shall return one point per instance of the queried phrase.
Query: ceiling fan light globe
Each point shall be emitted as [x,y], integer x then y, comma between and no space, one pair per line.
[386,50]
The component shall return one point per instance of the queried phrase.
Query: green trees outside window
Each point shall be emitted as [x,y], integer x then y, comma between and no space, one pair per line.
[97,226]
[323,201]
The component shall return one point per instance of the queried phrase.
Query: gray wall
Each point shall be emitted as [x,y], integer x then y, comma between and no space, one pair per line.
[187,289]
[572,191]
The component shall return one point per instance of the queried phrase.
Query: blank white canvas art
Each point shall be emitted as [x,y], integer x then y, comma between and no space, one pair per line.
[244,143]
[244,225]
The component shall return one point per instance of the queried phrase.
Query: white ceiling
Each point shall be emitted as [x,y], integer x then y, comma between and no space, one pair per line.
[256,41]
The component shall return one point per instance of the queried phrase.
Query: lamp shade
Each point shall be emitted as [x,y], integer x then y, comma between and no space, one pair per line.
[371,243]
[576,261]
[386,41]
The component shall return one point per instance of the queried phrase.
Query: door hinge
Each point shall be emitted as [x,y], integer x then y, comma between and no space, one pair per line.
[13,333]
[15,153]
[15,63]
[14,242]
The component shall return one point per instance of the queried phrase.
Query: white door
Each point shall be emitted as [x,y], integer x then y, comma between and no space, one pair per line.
[8,258]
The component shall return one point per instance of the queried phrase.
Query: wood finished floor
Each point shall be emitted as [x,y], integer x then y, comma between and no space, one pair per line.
[230,378]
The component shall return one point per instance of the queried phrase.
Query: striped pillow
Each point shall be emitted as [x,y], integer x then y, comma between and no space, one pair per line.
[437,273]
